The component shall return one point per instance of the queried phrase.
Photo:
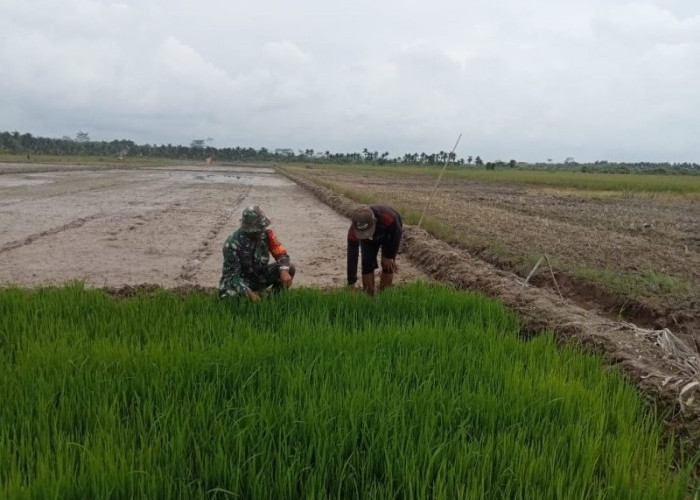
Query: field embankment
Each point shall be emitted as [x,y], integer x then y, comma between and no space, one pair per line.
[424,392]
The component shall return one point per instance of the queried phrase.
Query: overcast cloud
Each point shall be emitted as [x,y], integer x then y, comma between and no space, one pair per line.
[591,79]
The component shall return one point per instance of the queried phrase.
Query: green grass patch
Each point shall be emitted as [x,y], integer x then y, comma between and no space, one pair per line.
[634,183]
[424,392]
[649,284]
[624,183]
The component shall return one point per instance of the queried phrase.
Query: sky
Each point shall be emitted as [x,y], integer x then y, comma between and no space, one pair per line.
[525,80]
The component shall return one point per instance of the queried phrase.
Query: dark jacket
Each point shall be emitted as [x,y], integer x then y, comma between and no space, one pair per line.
[387,235]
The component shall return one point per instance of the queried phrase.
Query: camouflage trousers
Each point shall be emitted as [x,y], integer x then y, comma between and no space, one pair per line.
[269,278]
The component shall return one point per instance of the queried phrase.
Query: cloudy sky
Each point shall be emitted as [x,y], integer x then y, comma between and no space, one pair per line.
[529,80]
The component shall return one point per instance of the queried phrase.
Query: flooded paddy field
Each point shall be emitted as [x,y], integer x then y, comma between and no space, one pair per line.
[159,225]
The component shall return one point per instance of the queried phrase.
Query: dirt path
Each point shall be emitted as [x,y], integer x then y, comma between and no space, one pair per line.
[164,226]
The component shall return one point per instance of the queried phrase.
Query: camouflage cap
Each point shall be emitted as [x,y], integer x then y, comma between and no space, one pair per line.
[363,223]
[254,220]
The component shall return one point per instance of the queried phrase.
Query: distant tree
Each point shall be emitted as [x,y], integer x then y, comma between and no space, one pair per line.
[478,161]
[469,159]
[410,158]
[287,152]
[370,156]
[26,144]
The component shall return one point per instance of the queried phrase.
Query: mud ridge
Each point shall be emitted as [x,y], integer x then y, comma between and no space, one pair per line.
[194,261]
[684,321]
[50,232]
[658,373]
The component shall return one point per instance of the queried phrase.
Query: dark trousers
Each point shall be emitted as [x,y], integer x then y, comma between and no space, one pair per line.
[370,251]
[270,277]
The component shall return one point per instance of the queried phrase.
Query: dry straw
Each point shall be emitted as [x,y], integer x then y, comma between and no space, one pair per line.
[681,356]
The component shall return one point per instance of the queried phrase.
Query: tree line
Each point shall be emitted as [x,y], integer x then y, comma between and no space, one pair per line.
[199,150]
[20,144]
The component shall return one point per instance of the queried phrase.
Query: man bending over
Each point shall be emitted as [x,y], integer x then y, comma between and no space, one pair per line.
[374,227]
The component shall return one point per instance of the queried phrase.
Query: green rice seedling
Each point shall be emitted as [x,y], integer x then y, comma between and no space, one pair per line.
[424,392]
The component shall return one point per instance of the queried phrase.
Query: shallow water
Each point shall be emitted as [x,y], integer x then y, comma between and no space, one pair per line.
[22,180]
[273,180]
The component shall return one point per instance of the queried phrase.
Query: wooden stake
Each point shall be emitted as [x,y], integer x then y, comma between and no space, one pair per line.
[551,271]
[533,271]
[420,221]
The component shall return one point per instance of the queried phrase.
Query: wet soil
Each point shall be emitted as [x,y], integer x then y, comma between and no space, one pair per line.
[128,229]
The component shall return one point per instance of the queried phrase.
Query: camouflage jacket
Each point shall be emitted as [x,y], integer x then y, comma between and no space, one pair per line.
[246,259]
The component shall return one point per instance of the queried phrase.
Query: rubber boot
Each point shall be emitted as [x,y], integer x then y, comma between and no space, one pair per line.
[368,284]
[385,281]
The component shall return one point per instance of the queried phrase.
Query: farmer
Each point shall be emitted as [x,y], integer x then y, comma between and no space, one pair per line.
[246,269]
[374,227]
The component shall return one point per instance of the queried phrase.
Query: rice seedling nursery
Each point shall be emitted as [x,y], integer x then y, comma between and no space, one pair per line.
[424,392]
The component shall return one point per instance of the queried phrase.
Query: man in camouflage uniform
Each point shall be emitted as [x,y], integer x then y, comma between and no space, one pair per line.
[246,269]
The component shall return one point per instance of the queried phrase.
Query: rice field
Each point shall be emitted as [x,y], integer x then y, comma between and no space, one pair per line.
[424,392]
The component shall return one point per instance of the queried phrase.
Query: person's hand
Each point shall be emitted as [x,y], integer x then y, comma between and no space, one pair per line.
[285,278]
[388,265]
[252,296]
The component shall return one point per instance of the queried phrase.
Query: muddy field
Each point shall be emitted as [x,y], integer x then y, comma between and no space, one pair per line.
[164,226]
[644,249]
